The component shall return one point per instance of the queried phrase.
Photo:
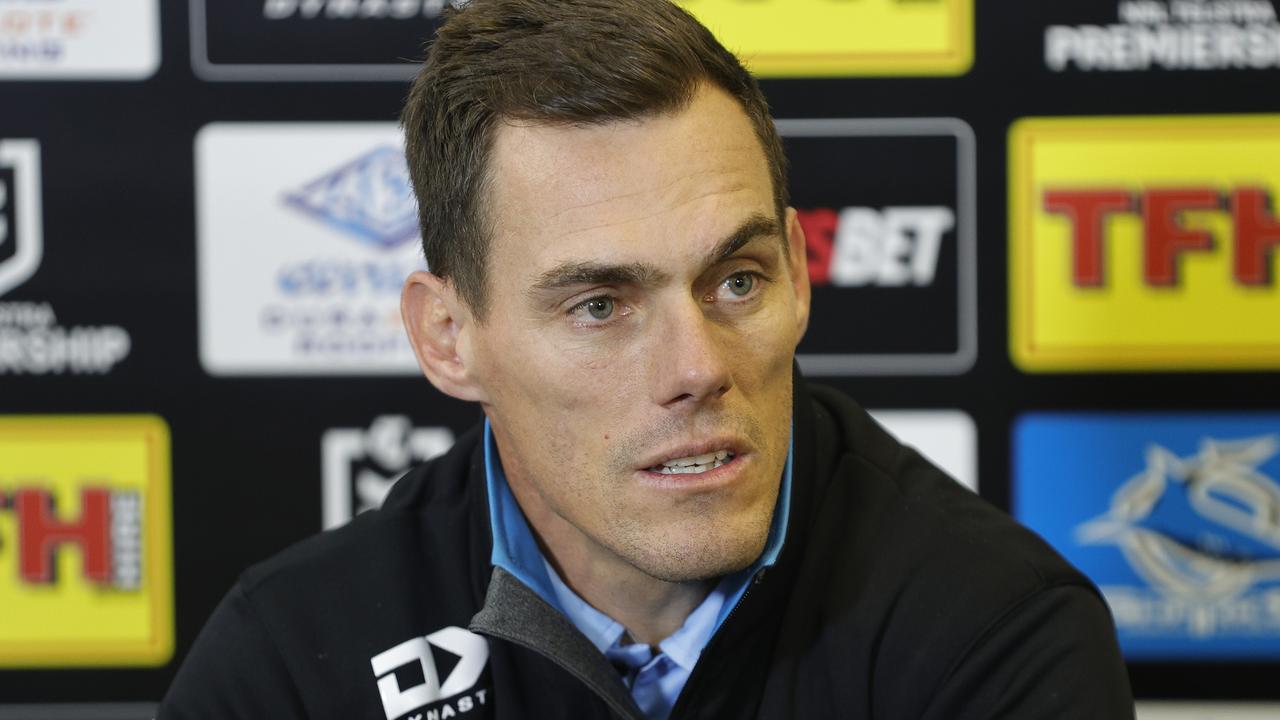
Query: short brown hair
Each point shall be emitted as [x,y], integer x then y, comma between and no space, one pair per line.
[573,62]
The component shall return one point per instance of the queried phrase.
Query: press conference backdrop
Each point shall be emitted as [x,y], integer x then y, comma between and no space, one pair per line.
[1042,240]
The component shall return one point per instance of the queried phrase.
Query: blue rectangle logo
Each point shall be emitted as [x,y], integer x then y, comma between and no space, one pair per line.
[1176,517]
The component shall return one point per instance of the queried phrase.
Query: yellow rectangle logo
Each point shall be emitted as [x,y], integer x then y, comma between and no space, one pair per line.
[817,38]
[1144,243]
[86,571]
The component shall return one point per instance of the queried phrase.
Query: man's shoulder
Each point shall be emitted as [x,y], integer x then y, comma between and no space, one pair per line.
[925,513]
[929,563]
[299,630]
[938,552]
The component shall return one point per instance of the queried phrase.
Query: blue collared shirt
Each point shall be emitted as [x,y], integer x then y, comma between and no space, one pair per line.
[655,679]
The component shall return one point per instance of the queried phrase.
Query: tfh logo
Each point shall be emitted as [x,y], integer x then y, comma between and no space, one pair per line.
[473,653]
[108,534]
[1164,235]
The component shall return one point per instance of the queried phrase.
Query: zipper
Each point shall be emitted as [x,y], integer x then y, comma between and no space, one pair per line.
[716,641]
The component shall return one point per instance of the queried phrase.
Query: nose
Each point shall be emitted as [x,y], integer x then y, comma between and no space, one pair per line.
[692,367]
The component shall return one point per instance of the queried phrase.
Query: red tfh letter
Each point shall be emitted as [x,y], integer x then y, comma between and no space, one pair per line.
[40,534]
[1087,210]
[1166,238]
[819,227]
[1257,232]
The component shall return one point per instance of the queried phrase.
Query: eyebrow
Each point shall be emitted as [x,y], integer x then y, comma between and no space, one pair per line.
[570,274]
[754,227]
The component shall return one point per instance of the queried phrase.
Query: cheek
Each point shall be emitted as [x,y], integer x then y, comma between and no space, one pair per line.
[765,346]
[567,406]
[543,374]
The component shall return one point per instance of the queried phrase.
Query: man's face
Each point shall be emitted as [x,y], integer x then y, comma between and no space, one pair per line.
[635,361]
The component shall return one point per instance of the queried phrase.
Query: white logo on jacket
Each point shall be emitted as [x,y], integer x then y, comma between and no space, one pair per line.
[473,653]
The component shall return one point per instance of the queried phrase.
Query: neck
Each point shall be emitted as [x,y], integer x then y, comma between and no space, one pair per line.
[650,609]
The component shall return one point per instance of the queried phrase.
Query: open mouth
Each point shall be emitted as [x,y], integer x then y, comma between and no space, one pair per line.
[693,465]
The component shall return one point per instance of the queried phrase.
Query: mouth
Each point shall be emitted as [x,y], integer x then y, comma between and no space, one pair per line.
[693,464]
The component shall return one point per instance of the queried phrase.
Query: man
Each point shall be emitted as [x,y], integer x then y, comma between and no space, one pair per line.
[659,519]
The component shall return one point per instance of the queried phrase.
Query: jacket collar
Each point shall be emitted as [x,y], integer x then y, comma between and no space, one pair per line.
[515,613]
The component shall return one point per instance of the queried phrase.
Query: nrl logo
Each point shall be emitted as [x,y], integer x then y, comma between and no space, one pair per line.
[1204,528]
[21,241]
[360,465]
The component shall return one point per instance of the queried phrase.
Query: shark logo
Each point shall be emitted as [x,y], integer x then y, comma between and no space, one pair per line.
[369,198]
[1204,528]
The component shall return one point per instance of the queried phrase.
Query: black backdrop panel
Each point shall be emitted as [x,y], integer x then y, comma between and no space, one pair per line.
[248,470]
[301,39]
[885,273]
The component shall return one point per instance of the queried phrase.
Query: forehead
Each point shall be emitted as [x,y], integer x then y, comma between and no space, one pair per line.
[662,183]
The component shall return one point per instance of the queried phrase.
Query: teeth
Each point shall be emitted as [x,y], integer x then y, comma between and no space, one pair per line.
[697,459]
[695,464]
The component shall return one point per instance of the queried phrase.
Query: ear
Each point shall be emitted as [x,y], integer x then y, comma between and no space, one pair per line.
[799,271]
[438,324]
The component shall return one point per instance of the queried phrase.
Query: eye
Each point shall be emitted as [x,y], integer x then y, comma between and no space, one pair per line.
[741,284]
[600,308]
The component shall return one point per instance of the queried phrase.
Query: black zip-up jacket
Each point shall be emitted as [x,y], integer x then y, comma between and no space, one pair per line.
[898,594]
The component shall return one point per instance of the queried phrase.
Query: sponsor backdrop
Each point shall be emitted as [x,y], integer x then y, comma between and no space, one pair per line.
[1042,239]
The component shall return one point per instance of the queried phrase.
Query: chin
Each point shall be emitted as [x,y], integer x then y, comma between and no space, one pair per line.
[704,556]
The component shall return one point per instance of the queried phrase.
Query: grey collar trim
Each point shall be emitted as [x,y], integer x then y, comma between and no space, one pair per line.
[514,613]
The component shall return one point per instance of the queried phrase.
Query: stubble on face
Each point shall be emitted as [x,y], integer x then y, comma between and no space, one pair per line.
[709,548]
[574,413]
[675,540]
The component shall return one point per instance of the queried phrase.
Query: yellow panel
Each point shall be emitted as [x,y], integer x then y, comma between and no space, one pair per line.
[68,619]
[793,38]
[1208,319]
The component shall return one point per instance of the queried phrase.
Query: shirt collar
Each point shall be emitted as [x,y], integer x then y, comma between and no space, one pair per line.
[683,646]
[516,551]
[514,548]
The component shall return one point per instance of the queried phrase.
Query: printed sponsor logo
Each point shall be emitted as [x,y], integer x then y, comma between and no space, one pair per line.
[32,341]
[1149,35]
[79,39]
[874,37]
[891,251]
[359,465]
[947,438]
[85,568]
[365,199]
[450,696]
[1206,711]
[1144,243]
[352,9]
[301,258]
[321,40]
[21,219]
[1173,516]
[861,246]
